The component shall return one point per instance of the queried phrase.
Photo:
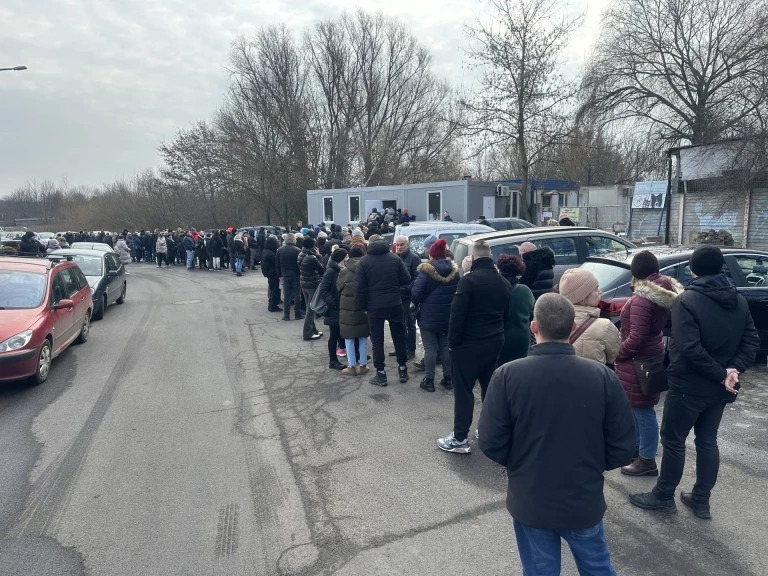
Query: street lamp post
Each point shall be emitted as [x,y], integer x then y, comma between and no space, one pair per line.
[16,68]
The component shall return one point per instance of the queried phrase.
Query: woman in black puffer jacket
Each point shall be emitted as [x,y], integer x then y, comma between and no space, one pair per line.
[539,273]
[330,294]
[434,288]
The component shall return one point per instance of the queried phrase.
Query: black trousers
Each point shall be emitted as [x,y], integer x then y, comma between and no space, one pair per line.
[410,328]
[471,362]
[376,319]
[333,341]
[161,257]
[681,413]
[273,291]
[291,294]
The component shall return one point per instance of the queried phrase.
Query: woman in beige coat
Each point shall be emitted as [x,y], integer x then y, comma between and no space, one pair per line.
[601,340]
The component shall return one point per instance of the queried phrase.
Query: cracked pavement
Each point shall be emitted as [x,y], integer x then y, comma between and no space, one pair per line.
[196,433]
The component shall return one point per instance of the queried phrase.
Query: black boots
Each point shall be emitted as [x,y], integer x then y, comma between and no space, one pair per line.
[427,384]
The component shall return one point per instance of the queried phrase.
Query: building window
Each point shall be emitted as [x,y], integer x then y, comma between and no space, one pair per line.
[354,208]
[327,208]
[434,205]
[546,200]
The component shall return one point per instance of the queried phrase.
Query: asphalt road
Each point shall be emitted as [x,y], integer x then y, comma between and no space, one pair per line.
[195,433]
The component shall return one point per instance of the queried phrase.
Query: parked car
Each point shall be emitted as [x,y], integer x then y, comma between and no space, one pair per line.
[105,275]
[45,305]
[100,246]
[746,269]
[506,223]
[417,232]
[572,245]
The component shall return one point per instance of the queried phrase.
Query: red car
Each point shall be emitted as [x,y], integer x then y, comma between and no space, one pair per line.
[45,305]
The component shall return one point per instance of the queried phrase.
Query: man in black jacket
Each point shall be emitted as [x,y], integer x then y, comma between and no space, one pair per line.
[475,337]
[555,455]
[269,270]
[379,277]
[412,263]
[713,340]
[311,272]
[287,265]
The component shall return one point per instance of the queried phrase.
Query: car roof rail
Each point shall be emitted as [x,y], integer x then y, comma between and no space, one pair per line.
[55,259]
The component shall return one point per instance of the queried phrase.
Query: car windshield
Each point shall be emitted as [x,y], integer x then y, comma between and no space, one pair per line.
[460,251]
[90,265]
[609,276]
[21,290]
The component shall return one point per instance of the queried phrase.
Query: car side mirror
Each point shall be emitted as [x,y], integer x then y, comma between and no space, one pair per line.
[64,303]
[112,273]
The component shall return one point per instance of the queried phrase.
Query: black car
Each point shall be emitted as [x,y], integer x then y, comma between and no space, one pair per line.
[105,274]
[746,269]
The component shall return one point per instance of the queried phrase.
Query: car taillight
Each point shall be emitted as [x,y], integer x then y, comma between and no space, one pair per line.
[611,307]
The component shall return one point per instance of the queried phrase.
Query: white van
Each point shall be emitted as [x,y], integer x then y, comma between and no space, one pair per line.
[417,232]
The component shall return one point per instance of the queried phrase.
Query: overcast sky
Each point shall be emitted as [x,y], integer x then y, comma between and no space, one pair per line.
[109,80]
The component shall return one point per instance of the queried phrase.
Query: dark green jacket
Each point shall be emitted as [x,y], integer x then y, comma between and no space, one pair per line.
[517,328]
[353,321]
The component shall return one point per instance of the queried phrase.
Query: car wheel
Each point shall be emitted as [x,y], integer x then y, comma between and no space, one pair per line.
[98,314]
[122,295]
[85,329]
[43,363]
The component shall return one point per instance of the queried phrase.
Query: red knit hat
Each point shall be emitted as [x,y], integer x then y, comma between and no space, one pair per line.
[437,250]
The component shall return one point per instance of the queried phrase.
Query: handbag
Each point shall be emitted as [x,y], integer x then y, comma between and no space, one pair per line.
[318,304]
[651,375]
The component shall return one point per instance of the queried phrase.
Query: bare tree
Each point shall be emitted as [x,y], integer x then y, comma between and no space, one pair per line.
[524,100]
[694,70]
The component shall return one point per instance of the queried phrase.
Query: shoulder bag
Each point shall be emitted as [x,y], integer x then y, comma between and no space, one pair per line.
[581,329]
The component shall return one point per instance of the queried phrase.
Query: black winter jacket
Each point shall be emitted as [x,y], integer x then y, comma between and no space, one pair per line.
[330,294]
[434,288]
[379,278]
[479,307]
[412,263]
[268,258]
[310,269]
[712,330]
[539,273]
[215,246]
[557,422]
[287,262]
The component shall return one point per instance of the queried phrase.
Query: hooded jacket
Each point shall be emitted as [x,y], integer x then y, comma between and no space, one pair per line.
[268,258]
[434,288]
[215,245]
[310,269]
[480,306]
[539,273]
[643,320]
[380,277]
[600,342]
[330,294]
[712,330]
[161,246]
[123,251]
[353,321]
[517,328]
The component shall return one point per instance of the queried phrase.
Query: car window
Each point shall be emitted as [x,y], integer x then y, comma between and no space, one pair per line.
[90,265]
[71,285]
[417,244]
[609,276]
[21,290]
[80,277]
[58,289]
[449,237]
[563,247]
[755,270]
[602,245]
[686,276]
[113,263]
[506,248]
[460,251]
[670,271]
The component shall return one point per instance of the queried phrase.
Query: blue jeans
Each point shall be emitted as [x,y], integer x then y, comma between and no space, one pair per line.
[352,360]
[647,427]
[540,550]
[190,258]
[239,262]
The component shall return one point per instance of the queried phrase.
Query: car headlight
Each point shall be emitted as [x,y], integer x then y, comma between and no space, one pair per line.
[16,342]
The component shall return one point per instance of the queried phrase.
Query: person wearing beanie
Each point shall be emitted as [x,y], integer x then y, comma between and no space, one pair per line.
[429,241]
[643,319]
[517,328]
[327,293]
[479,313]
[432,294]
[713,341]
[597,338]
[353,321]
[287,265]
[311,271]
[565,220]
[466,265]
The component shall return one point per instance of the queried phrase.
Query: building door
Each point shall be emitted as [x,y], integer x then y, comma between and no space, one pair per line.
[489,206]
[371,204]
[434,205]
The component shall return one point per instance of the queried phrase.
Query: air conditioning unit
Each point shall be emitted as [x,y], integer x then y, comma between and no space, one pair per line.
[502,190]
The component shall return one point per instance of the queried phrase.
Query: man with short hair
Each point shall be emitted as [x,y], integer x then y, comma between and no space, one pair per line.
[475,338]
[286,263]
[713,340]
[412,262]
[379,277]
[555,455]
